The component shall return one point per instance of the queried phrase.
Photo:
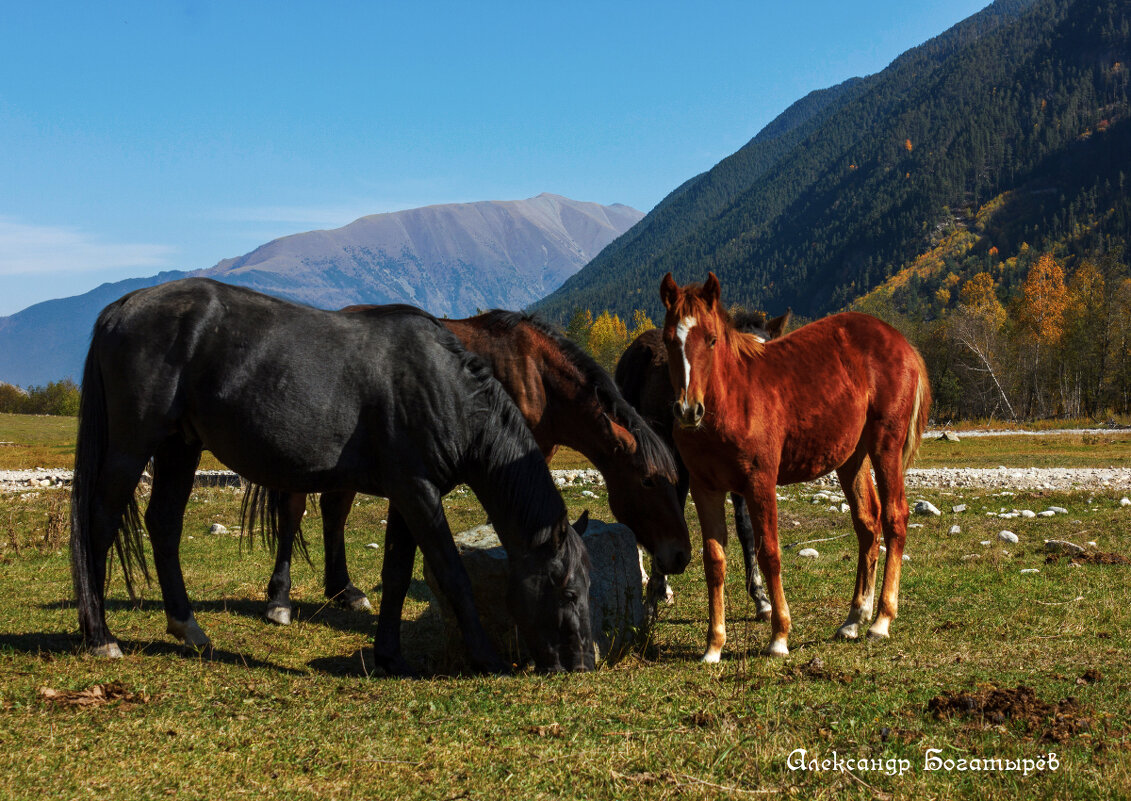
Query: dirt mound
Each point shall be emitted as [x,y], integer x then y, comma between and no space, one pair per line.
[990,706]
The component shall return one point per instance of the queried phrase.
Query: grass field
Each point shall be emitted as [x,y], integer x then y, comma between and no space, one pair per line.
[1017,665]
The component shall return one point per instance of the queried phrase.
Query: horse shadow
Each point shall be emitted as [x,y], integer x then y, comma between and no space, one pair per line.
[58,644]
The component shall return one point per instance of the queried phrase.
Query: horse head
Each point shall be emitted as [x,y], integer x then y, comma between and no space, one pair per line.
[692,328]
[548,598]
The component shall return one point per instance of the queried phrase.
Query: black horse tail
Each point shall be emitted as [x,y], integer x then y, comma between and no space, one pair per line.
[90,454]
[260,510]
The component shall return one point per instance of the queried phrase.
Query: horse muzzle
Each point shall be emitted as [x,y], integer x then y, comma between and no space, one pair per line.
[689,416]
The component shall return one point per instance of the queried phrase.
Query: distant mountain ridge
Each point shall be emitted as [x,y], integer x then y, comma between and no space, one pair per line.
[449,259]
[850,184]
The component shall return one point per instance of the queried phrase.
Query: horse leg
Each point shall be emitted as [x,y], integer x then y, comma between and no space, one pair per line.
[423,510]
[865,507]
[174,466]
[658,587]
[893,502]
[745,531]
[712,521]
[762,505]
[292,506]
[335,509]
[396,577]
[111,496]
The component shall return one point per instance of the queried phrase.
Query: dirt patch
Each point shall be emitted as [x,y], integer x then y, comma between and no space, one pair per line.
[96,695]
[1090,558]
[992,706]
[815,669]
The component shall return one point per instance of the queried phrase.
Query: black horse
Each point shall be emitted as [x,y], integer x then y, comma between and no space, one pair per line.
[642,375]
[301,400]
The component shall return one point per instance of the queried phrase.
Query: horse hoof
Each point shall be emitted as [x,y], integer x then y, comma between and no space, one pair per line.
[188,632]
[279,615]
[776,648]
[712,657]
[108,651]
[877,635]
[849,631]
[361,605]
[763,614]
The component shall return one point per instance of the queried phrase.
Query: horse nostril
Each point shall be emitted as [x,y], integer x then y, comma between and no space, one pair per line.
[676,410]
[699,412]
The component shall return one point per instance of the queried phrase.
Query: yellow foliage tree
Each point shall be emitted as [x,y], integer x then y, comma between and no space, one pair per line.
[1043,302]
[641,322]
[607,339]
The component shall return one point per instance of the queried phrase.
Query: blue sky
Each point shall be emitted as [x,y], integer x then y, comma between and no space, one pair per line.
[140,137]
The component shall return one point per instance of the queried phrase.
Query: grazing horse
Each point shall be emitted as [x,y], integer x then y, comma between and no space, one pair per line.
[301,400]
[833,395]
[642,375]
[567,399]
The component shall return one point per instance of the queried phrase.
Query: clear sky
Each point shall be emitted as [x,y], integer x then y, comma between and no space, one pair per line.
[137,137]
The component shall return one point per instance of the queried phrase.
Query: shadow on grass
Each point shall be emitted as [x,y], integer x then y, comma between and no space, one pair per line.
[56,644]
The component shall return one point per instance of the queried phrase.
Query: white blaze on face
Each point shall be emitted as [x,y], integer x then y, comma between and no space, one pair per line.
[682,329]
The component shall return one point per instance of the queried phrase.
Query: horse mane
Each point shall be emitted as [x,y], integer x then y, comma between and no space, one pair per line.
[652,455]
[690,304]
[632,369]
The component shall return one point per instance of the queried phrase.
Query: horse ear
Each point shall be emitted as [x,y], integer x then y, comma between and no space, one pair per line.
[582,523]
[776,327]
[711,290]
[669,291]
[624,439]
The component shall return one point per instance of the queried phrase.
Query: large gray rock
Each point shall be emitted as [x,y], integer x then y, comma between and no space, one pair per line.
[616,599]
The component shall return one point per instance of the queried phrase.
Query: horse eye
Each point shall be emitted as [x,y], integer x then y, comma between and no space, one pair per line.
[569,596]
[647,483]
[711,342]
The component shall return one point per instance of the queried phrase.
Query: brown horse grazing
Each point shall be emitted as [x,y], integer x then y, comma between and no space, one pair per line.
[566,399]
[833,395]
[642,375]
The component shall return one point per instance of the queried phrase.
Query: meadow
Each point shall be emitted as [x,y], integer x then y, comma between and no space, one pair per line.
[986,662]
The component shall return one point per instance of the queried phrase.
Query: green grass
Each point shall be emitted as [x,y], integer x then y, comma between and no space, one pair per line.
[293,713]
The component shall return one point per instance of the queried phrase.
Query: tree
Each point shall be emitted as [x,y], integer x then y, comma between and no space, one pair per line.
[976,325]
[641,322]
[578,329]
[607,340]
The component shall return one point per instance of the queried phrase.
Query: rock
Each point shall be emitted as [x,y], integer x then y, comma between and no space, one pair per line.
[217,528]
[1063,546]
[616,598]
[1125,501]
[845,508]
[1007,536]
[1092,544]
[949,436]
[1030,570]
[808,553]
[1028,513]
[906,558]
[958,507]
[1046,513]
[588,494]
[955,530]
[373,546]
[926,508]
[1060,510]
[985,542]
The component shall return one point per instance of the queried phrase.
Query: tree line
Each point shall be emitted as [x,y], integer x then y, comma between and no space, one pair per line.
[56,397]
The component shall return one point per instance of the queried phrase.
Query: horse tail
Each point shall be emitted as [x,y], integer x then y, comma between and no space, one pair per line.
[90,453]
[920,409]
[260,510]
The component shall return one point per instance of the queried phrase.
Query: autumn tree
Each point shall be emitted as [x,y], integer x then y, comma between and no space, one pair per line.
[1039,315]
[976,324]
[608,337]
[641,322]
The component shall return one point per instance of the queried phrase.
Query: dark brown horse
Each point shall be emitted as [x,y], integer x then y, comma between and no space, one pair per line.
[567,399]
[642,375]
[833,395]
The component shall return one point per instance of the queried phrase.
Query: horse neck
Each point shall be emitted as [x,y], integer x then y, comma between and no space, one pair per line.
[508,475]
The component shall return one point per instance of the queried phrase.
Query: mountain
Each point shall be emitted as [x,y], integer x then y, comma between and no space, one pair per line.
[448,259]
[1026,100]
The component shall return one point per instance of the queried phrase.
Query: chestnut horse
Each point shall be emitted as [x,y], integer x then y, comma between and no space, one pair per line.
[566,399]
[642,375]
[836,394]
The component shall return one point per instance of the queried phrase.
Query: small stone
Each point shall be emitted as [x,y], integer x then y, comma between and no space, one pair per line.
[845,508]
[373,546]
[1046,513]
[808,553]
[589,494]
[906,558]
[1007,536]
[1060,510]
[949,436]
[1125,501]
[883,549]
[1092,544]
[926,508]
[955,530]
[1063,546]
[985,542]
[1030,570]
[217,528]
[959,507]
[1028,513]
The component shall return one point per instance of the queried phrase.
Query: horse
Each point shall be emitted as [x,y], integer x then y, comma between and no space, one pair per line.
[837,394]
[301,400]
[642,376]
[566,399]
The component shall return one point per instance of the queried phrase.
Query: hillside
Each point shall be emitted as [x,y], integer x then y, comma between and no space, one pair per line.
[448,259]
[849,186]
